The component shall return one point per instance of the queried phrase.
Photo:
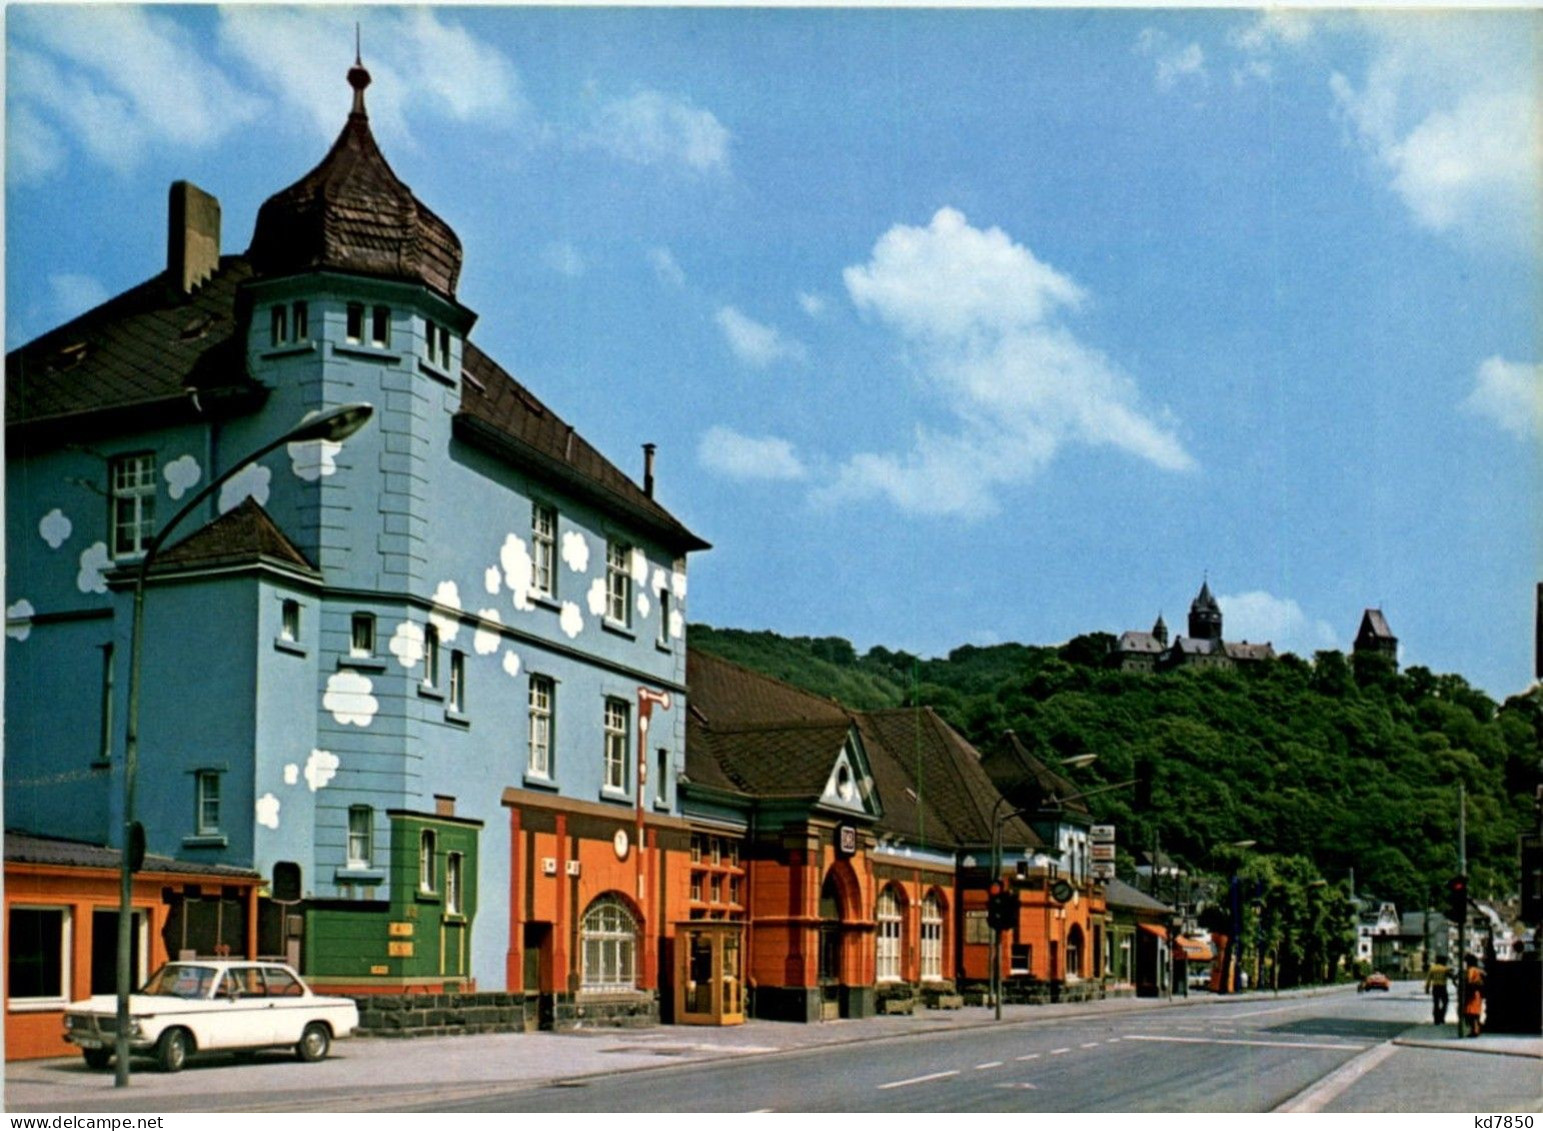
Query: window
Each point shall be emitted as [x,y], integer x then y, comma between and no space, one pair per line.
[932,938]
[289,621]
[380,326]
[543,537]
[1021,959]
[887,944]
[616,725]
[736,895]
[361,837]
[662,776]
[618,582]
[278,327]
[300,322]
[663,639]
[717,887]
[355,328]
[696,886]
[38,949]
[291,325]
[133,503]
[206,789]
[362,640]
[437,344]
[105,749]
[608,937]
[540,759]
[696,850]
[455,698]
[453,884]
[431,656]
[426,860]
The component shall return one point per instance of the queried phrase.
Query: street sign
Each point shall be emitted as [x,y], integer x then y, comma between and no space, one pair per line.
[1102,833]
[1102,871]
[1103,852]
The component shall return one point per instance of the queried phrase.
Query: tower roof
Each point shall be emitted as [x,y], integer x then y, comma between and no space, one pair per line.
[1204,600]
[352,214]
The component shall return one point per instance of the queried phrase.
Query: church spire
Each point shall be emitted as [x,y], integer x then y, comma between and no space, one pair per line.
[358,78]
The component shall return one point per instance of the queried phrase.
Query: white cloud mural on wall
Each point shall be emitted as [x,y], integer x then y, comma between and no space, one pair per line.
[94,561]
[320,768]
[252,480]
[447,596]
[313,459]
[518,571]
[596,598]
[576,551]
[571,621]
[291,774]
[659,581]
[639,566]
[268,811]
[511,664]
[181,473]
[55,528]
[407,644]
[486,640]
[644,605]
[492,580]
[349,700]
[18,620]
[677,624]
[678,583]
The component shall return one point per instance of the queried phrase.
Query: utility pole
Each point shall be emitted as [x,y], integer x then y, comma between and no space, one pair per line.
[1461,964]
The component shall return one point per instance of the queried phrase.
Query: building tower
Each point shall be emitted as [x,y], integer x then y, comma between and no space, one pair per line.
[1375,638]
[1205,615]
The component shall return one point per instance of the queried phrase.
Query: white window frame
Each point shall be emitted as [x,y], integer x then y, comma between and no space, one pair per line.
[932,938]
[131,521]
[278,324]
[543,543]
[430,656]
[66,955]
[618,727]
[541,701]
[453,877]
[608,947]
[300,322]
[455,693]
[428,848]
[361,644]
[289,620]
[618,582]
[205,798]
[886,946]
[361,837]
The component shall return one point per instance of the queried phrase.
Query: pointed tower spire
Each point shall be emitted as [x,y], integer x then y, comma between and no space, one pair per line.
[358,78]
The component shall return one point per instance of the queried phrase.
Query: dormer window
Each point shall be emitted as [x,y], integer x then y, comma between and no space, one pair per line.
[288,324]
[354,331]
[380,326]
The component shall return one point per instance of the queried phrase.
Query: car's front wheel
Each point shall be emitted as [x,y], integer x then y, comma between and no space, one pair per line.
[172,1052]
[314,1043]
[97,1058]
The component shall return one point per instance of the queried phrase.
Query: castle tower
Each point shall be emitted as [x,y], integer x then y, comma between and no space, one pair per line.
[1205,615]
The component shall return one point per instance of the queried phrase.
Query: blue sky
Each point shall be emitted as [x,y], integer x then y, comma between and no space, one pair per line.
[951,326]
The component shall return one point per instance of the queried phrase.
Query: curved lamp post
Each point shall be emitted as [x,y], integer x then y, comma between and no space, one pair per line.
[335,426]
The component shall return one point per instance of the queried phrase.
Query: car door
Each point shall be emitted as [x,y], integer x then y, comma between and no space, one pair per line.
[242,1014]
[291,1009]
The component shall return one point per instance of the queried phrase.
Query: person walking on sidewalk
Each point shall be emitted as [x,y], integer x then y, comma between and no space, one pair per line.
[1436,985]
[1473,993]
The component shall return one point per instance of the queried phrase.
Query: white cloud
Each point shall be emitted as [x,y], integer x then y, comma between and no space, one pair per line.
[754,343]
[664,265]
[55,528]
[1259,617]
[1510,395]
[311,460]
[486,640]
[267,808]
[181,474]
[291,773]
[597,597]
[1173,61]
[563,258]
[678,583]
[252,480]
[511,663]
[638,566]
[320,768]
[447,596]
[986,319]
[1258,41]
[571,620]
[405,51]
[349,700]
[575,551]
[18,619]
[514,556]
[94,563]
[812,304]
[119,82]
[407,644]
[727,452]
[74,294]
[653,128]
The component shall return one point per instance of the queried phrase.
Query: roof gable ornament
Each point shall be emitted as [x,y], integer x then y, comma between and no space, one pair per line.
[850,785]
[358,78]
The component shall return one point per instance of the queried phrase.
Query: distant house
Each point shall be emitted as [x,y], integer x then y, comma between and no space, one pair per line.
[1375,638]
[1378,931]
[1203,647]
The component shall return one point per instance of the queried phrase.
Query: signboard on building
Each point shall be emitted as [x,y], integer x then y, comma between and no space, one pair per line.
[846,840]
[1103,852]
[1102,834]
[1103,871]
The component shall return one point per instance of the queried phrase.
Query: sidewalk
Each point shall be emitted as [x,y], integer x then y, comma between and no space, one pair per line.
[1445,1037]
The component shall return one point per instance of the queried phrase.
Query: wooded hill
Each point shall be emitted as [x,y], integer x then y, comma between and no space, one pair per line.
[1339,759]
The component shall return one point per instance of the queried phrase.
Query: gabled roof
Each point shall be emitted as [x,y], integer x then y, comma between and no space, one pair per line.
[1246,651]
[1118,893]
[1143,642]
[1375,626]
[22,848]
[1196,646]
[245,533]
[1016,772]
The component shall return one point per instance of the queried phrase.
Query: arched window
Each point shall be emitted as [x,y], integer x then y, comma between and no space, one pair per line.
[887,952]
[932,938]
[1074,952]
[609,938]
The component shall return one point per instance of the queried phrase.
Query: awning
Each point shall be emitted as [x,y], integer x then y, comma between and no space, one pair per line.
[1154,929]
[1193,950]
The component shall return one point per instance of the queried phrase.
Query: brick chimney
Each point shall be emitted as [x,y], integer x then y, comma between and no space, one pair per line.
[192,237]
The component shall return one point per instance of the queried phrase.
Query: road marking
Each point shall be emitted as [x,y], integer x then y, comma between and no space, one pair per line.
[1090,1045]
[1058,1052]
[1030,1056]
[1228,1041]
[988,1064]
[1112,1041]
[1318,1096]
[1273,1009]
[1021,1084]
[919,1079]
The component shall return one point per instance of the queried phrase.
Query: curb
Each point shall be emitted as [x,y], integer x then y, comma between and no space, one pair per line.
[1454,1045]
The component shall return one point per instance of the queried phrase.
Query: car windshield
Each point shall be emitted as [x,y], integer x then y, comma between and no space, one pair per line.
[178,980]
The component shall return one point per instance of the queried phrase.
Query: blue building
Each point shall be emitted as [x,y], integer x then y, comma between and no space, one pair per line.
[361,657]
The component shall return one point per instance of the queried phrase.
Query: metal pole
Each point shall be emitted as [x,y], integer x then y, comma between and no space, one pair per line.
[996,936]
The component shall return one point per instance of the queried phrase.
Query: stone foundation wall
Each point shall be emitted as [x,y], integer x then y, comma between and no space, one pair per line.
[438,1015]
[638,1010]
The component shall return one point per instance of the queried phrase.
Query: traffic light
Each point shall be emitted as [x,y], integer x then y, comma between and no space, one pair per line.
[1457,899]
[1001,908]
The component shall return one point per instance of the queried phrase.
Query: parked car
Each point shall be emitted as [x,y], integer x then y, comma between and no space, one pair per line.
[1376,981]
[213,1005]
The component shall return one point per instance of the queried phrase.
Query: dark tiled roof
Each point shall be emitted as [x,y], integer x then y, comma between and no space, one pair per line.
[245,533]
[147,348]
[1247,651]
[931,781]
[352,214]
[1139,642]
[1012,768]
[777,762]
[1119,894]
[730,695]
[22,848]
[1375,626]
[499,412]
[1196,646]
[1203,600]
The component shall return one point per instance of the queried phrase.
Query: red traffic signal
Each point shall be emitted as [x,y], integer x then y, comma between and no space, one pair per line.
[1457,898]
[1001,909]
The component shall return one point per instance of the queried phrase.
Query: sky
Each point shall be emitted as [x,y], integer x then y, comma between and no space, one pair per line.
[952,327]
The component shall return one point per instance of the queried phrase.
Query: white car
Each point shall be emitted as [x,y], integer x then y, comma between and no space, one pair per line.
[211,1005]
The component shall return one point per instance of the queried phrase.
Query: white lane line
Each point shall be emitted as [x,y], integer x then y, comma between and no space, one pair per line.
[988,1064]
[1089,1045]
[919,1079]
[1058,1052]
[1262,1012]
[1318,1096]
[1226,1041]
[1020,1085]
[1030,1056]
[1112,1041]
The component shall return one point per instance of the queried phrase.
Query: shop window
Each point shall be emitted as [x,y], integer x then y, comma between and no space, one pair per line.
[38,956]
[608,938]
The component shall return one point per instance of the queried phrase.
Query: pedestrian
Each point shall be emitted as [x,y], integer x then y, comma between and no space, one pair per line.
[1436,983]
[1473,993]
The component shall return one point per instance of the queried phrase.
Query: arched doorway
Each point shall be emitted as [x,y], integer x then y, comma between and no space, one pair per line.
[1075,949]
[829,975]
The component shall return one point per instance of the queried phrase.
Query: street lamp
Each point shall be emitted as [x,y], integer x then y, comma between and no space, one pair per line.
[334,426]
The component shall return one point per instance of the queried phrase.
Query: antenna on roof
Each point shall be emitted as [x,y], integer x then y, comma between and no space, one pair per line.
[358,77]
